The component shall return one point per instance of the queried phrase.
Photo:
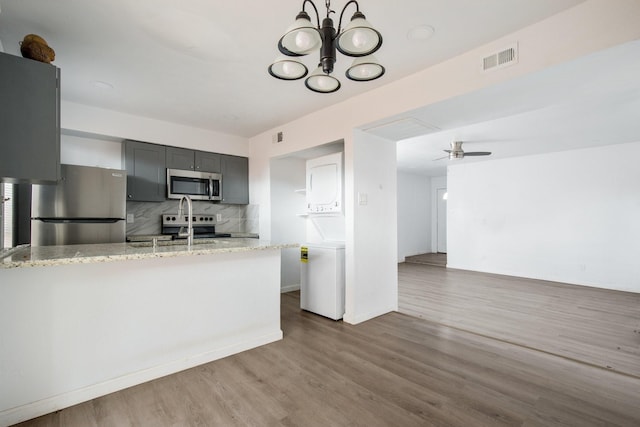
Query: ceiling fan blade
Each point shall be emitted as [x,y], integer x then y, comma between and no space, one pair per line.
[477,153]
[441,158]
[447,151]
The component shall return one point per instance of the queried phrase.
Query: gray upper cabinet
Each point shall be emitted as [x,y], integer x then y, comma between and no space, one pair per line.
[147,163]
[29,120]
[235,179]
[180,158]
[186,159]
[207,162]
[146,171]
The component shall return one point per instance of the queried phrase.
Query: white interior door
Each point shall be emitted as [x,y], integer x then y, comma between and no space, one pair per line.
[441,220]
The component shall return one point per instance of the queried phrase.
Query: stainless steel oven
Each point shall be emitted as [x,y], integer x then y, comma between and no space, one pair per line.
[197,185]
[204,225]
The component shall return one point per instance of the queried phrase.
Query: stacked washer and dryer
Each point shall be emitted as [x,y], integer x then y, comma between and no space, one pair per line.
[322,281]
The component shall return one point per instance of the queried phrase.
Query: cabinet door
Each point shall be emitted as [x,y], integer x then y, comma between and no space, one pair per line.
[207,162]
[235,180]
[29,120]
[146,171]
[180,158]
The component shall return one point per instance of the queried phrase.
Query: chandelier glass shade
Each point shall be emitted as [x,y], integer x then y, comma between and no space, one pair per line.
[358,39]
[364,68]
[287,69]
[321,82]
[301,38]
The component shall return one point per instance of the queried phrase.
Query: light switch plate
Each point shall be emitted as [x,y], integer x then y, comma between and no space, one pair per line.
[130,219]
[363,199]
[218,217]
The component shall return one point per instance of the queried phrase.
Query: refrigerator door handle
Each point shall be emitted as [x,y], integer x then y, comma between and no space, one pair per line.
[79,220]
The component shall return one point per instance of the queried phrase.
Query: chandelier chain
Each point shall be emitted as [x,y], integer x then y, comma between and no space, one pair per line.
[327,3]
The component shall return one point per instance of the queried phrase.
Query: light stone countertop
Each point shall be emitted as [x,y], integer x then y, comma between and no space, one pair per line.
[27,256]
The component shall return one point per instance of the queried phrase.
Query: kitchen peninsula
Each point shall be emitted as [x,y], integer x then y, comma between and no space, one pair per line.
[81,321]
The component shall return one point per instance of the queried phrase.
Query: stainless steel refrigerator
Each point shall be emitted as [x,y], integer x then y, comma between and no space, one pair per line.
[87,205]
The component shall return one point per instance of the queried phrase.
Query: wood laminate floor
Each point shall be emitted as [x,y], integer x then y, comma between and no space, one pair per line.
[591,325]
[394,370]
[435,259]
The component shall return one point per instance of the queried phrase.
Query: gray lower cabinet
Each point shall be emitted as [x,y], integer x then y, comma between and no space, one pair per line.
[146,171]
[186,159]
[235,179]
[29,120]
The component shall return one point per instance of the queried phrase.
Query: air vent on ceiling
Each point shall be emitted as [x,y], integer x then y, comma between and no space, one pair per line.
[277,138]
[501,59]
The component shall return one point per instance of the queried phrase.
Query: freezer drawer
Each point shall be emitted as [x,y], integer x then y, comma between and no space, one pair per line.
[322,280]
[59,233]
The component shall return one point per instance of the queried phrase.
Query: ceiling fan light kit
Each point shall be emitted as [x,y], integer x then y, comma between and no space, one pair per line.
[358,40]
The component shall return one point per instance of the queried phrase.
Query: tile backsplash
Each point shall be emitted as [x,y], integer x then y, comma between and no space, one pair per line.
[235,218]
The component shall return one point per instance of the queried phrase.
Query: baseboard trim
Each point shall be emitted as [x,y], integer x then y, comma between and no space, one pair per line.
[289,288]
[355,319]
[65,400]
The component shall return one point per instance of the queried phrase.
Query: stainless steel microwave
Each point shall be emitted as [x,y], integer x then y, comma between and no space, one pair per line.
[197,185]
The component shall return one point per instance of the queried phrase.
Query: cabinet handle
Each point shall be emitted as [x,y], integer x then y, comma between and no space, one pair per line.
[130,196]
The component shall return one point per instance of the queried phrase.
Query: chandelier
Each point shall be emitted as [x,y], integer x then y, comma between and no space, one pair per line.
[358,40]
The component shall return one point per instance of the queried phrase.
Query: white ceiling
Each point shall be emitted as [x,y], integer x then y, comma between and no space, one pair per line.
[592,101]
[203,63]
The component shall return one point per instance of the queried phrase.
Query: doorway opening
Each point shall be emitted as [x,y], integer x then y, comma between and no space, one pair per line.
[441,220]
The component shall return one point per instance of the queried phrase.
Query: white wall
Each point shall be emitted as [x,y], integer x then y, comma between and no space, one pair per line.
[86,151]
[288,175]
[571,217]
[414,215]
[83,119]
[371,244]
[541,45]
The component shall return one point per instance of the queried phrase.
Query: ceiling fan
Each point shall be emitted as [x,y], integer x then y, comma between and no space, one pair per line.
[456,152]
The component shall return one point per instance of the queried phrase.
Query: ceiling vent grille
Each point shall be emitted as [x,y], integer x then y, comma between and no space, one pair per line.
[501,59]
[277,138]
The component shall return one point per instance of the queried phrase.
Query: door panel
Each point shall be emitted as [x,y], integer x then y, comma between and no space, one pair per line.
[441,220]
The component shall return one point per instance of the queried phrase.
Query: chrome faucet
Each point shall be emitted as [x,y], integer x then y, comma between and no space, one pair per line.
[189,233]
